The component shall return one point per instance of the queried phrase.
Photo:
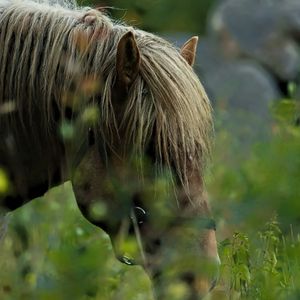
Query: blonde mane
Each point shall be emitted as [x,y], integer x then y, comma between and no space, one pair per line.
[46,46]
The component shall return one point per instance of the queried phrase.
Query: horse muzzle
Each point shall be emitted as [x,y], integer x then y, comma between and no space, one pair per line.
[188,283]
[182,263]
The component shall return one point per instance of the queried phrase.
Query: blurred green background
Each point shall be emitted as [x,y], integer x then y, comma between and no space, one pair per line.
[159,15]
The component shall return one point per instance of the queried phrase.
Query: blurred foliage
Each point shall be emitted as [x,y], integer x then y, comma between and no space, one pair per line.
[267,177]
[267,267]
[4,182]
[247,190]
[51,252]
[159,15]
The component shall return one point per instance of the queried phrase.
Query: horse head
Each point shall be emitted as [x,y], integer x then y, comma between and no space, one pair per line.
[146,171]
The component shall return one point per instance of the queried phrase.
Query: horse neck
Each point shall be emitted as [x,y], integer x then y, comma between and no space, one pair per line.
[33,153]
[34,159]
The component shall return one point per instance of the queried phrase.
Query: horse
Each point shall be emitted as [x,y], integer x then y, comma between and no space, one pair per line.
[87,99]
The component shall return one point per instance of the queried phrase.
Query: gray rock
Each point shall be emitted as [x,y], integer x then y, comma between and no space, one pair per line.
[258,29]
[241,86]
[289,11]
[234,84]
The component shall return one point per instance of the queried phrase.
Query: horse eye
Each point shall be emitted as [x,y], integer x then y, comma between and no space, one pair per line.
[140,215]
[91,137]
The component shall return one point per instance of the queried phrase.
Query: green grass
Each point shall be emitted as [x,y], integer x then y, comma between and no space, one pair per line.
[51,252]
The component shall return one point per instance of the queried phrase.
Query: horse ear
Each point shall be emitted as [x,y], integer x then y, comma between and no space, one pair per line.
[127,61]
[188,50]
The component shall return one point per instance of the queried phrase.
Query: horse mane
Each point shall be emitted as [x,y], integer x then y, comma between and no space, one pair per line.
[46,46]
